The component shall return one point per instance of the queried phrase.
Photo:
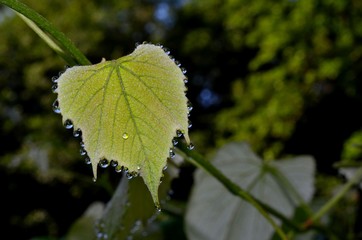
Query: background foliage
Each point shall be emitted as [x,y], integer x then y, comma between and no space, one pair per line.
[283,75]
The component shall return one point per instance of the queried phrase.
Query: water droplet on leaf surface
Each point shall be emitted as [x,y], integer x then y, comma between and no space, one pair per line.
[87,161]
[179,133]
[125,136]
[174,141]
[114,163]
[82,152]
[55,79]
[56,108]
[54,87]
[190,146]
[118,169]
[77,133]
[68,124]
[189,106]
[103,163]
[172,154]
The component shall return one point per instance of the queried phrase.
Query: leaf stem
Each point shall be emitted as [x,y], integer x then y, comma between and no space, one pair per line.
[197,160]
[326,207]
[65,44]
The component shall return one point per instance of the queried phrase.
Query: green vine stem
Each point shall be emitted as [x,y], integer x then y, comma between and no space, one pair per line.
[65,44]
[197,160]
[326,207]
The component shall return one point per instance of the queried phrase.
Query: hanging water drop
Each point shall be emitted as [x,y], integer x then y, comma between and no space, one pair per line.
[129,176]
[190,124]
[125,136]
[114,163]
[82,152]
[166,50]
[158,207]
[179,133]
[186,80]
[94,179]
[56,107]
[54,87]
[103,163]
[87,161]
[172,153]
[55,79]
[178,64]
[164,168]
[77,133]
[190,146]
[68,124]
[174,141]
[118,169]
[189,106]
[184,71]
[81,143]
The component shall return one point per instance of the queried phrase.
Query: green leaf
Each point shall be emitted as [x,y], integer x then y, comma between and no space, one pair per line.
[128,110]
[130,213]
[213,213]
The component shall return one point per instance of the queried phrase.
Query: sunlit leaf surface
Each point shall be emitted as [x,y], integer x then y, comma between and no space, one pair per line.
[213,213]
[128,111]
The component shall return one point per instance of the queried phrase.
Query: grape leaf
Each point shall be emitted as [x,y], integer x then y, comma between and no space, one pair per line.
[128,110]
[214,213]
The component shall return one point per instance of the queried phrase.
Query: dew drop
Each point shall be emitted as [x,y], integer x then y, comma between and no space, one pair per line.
[164,168]
[81,144]
[189,106]
[172,153]
[94,179]
[179,133]
[118,169]
[190,146]
[178,64]
[174,141]
[103,163]
[114,163]
[138,168]
[54,87]
[68,124]
[186,80]
[55,105]
[55,79]
[77,133]
[184,71]
[166,50]
[190,124]
[87,161]
[82,152]
[158,207]
[129,176]
[125,136]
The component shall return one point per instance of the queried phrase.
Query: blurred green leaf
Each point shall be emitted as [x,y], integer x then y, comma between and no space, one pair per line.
[213,213]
